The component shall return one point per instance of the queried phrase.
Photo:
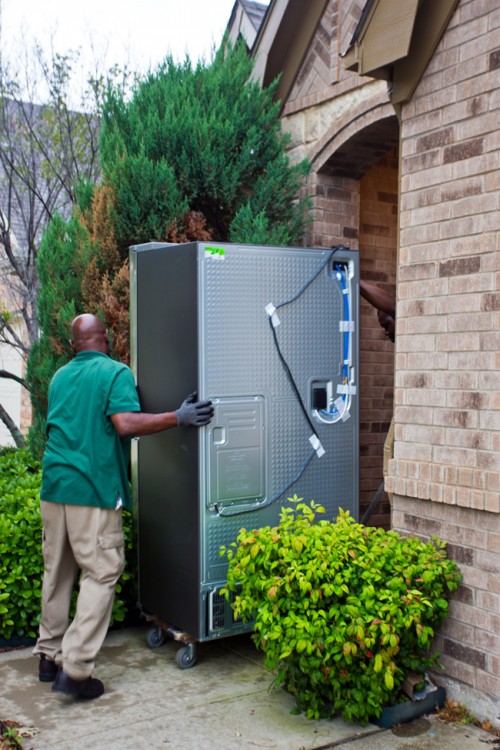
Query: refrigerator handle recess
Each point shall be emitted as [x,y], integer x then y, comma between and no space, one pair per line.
[219,435]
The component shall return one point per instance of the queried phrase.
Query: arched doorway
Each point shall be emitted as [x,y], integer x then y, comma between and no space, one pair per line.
[355,196]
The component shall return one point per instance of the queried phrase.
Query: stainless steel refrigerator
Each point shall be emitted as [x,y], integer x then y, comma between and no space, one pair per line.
[270,335]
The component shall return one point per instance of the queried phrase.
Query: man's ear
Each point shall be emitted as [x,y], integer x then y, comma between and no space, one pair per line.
[72,344]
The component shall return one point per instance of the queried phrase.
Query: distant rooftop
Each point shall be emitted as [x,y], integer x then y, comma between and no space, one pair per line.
[255,12]
[245,21]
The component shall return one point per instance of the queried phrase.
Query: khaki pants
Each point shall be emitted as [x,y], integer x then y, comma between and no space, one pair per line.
[90,539]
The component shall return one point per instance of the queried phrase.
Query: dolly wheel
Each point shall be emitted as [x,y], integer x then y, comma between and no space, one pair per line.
[186,656]
[155,637]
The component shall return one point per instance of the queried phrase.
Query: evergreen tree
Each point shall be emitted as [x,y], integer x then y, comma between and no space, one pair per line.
[203,139]
[64,255]
[196,153]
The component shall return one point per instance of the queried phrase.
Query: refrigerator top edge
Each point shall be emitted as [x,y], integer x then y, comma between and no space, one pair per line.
[143,247]
[213,247]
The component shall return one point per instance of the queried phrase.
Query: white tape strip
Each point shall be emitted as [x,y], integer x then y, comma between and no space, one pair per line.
[270,308]
[314,440]
[346,326]
[271,312]
[346,388]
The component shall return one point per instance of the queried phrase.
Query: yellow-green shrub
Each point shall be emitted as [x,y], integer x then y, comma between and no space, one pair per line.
[21,563]
[340,610]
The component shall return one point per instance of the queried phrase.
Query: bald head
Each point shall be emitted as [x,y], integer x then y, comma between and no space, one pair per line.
[89,333]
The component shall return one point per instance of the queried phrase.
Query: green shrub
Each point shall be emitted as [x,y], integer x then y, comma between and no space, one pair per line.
[341,611]
[21,563]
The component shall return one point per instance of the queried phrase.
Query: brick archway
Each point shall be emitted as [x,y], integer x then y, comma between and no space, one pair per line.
[355,198]
[361,134]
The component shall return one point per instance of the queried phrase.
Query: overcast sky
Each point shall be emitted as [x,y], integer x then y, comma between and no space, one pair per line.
[140,32]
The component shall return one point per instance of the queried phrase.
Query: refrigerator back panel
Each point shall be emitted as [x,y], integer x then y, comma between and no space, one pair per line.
[270,336]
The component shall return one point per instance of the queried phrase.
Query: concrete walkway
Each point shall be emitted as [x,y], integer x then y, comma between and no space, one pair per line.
[223,702]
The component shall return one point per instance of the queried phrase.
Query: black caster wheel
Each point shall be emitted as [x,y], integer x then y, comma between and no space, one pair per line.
[155,637]
[186,656]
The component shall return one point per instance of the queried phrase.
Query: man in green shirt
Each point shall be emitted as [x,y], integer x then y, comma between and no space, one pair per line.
[93,413]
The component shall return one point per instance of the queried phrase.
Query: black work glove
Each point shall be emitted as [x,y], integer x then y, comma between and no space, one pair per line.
[193,413]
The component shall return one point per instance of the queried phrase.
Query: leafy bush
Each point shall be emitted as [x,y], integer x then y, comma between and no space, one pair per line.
[341,611]
[21,563]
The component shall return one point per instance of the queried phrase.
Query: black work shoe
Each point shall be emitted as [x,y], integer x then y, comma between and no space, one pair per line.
[89,688]
[47,669]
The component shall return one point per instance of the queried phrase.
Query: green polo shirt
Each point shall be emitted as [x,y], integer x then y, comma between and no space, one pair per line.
[86,461]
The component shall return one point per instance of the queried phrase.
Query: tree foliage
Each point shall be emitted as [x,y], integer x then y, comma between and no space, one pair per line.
[204,139]
[46,150]
[195,153]
[65,253]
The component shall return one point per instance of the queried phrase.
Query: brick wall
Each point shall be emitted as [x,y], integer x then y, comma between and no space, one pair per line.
[335,211]
[378,248]
[448,381]
[446,470]
[469,640]
[319,69]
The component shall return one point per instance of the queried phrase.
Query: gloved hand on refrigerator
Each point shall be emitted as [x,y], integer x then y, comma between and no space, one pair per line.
[193,413]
